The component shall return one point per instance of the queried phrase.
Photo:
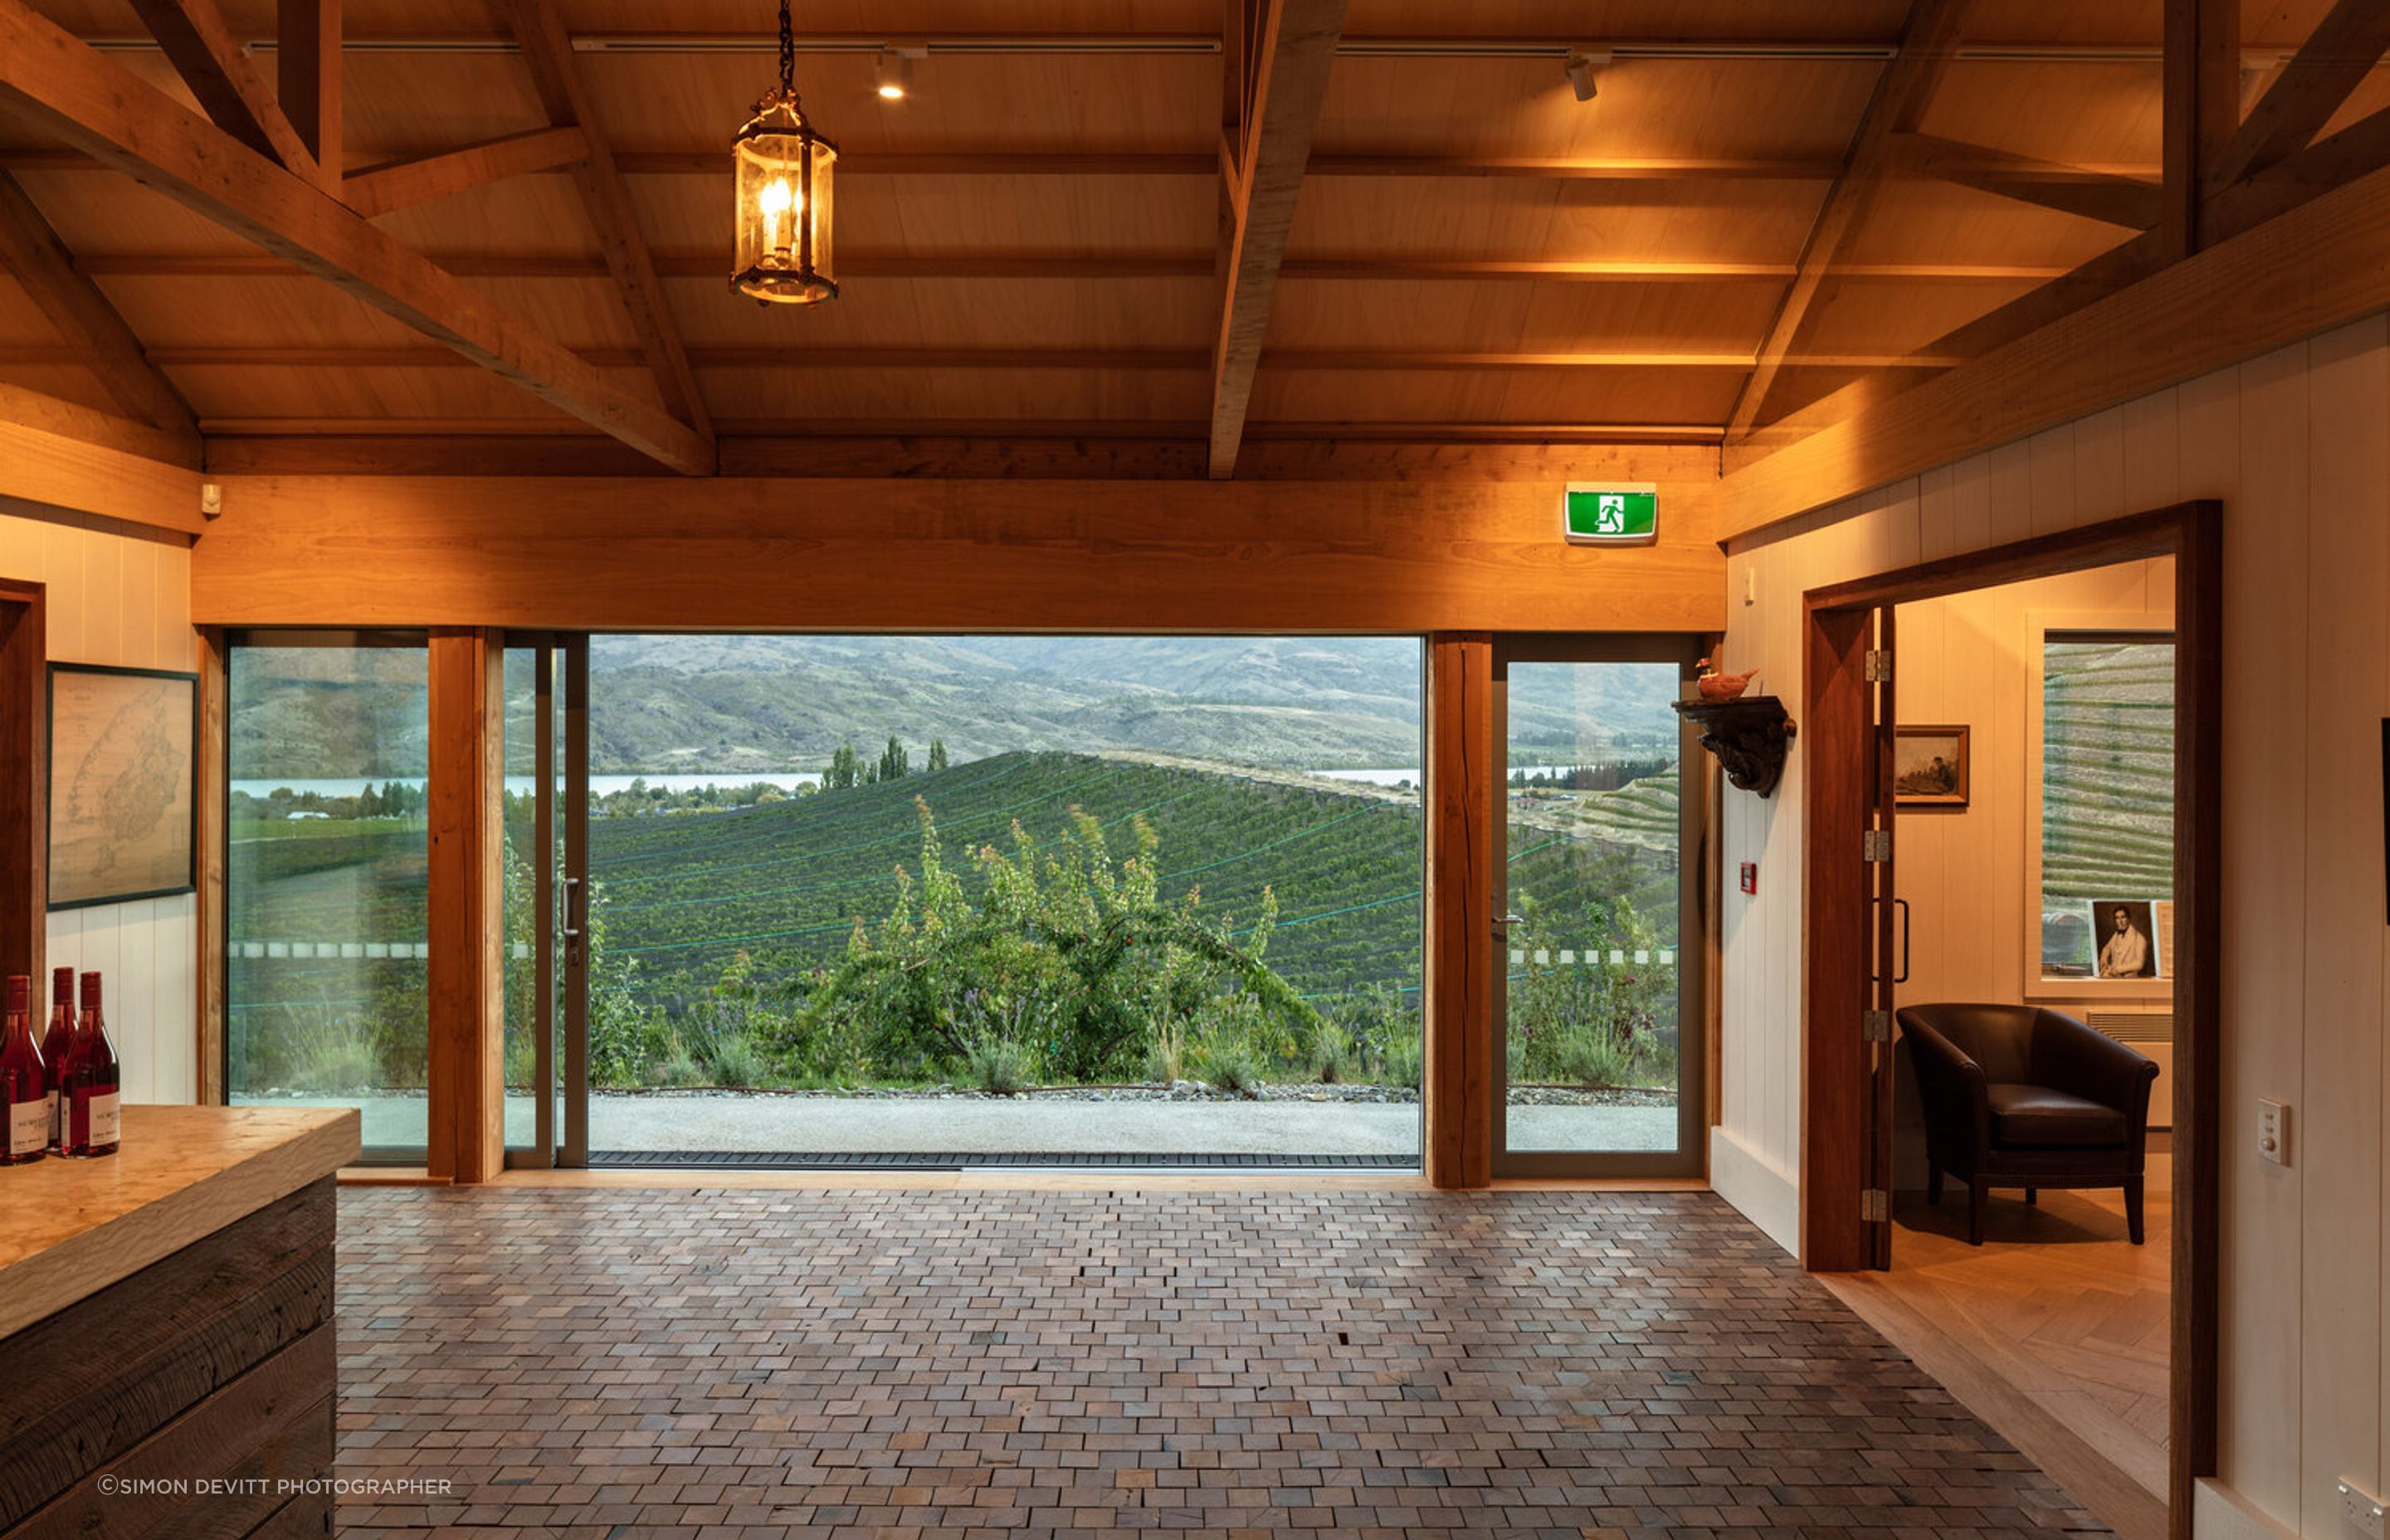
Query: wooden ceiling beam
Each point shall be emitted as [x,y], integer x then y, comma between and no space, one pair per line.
[214,63]
[2201,105]
[1133,360]
[2120,200]
[547,53]
[2327,70]
[396,185]
[97,337]
[1896,106]
[67,90]
[2358,150]
[1296,49]
[308,77]
[1067,265]
[70,419]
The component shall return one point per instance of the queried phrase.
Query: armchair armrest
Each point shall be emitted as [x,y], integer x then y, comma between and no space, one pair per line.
[1951,1087]
[2071,1056]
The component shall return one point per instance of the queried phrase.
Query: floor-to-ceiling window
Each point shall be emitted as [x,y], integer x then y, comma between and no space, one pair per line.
[325,909]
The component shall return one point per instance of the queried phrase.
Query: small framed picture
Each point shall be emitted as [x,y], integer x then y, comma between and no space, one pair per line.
[1928,767]
[2132,937]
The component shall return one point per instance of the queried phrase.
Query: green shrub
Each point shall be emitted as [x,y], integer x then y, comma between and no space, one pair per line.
[734,1062]
[999,1068]
[333,1053]
[1333,1053]
[1230,1066]
[1401,1060]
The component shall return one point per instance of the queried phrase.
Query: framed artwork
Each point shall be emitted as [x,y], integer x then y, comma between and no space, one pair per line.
[123,796]
[1928,767]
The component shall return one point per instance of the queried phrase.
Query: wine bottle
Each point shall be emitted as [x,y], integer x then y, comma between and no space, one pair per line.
[92,1081]
[24,1085]
[54,1045]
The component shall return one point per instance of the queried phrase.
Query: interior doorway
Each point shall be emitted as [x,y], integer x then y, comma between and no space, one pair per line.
[1874,792]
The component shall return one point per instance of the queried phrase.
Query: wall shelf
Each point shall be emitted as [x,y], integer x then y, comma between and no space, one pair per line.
[1748,737]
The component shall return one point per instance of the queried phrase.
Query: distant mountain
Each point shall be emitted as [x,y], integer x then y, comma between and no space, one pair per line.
[743,704]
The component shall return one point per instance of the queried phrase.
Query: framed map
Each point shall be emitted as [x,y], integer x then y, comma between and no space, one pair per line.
[123,802]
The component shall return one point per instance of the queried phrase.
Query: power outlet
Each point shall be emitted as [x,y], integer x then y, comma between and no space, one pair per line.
[2274,1131]
[2361,1509]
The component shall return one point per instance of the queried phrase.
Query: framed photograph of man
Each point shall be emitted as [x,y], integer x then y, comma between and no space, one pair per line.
[1928,767]
[2125,930]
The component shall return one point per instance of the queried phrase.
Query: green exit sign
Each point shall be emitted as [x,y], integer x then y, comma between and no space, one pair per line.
[1611,516]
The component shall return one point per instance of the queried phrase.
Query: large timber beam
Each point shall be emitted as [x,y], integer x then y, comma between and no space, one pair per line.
[2323,74]
[214,63]
[1298,47]
[65,88]
[396,185]
[548,52]
[100,340]
[2119,200]
[307,71]
[1896,106]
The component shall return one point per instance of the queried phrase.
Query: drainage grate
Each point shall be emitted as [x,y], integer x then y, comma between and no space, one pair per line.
[778,1160]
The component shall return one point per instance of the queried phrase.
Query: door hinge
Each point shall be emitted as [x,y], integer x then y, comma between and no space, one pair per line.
[1875,1026]
[1875,844]
[1875,1206]
[1879,666]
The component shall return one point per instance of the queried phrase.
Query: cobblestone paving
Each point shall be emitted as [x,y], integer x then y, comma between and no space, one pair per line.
[720,1366]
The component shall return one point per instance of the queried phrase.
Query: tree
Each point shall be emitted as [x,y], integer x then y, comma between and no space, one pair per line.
[1071,957]
[370,802]
[892,767]
[937,754]
[842,773]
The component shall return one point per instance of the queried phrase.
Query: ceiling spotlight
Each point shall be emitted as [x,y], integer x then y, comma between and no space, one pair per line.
[1582,63]
[892,72]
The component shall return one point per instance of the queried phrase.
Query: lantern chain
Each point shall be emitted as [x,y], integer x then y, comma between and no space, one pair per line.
[788,54]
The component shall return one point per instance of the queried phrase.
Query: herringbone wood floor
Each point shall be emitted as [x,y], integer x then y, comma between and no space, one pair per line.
[2056,1313]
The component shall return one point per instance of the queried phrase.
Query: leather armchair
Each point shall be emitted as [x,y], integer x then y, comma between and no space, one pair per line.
[2018,1096]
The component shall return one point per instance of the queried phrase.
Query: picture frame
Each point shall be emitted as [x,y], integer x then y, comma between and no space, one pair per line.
[123,804]
[1930,765]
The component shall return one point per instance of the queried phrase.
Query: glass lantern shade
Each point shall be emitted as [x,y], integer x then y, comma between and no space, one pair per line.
[783,186]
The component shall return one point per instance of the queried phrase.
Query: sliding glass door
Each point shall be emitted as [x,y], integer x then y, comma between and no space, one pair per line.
[325,914]
[1597,833]
[547,899]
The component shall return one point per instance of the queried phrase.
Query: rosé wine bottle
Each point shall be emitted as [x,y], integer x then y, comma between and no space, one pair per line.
[55,1044]
[24,1085]
[89,1101]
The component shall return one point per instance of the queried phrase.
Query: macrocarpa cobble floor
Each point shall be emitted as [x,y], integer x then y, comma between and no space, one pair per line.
[618,1364]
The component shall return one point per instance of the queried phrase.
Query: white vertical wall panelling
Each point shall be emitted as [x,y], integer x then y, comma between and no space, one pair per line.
[2099,467]
[2053,479]
[125,602]
[2348,585]
[2265,920]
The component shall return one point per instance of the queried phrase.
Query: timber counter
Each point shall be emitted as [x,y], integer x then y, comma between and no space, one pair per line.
[166,1340]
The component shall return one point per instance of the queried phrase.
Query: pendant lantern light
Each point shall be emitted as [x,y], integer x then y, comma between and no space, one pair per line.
[782,183]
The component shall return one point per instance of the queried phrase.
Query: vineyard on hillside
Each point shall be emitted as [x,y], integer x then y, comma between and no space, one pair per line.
[737,916]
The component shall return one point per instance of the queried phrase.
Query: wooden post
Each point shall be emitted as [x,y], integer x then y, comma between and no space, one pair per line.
[1838,773]
[467,1133]
[1458,1015]
[210,839]
[2202,113]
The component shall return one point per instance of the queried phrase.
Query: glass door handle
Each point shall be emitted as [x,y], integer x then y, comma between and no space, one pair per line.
[572,892]
[1502,923]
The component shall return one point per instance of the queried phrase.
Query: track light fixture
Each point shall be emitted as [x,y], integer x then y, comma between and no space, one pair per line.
[1581,66]
[892,72]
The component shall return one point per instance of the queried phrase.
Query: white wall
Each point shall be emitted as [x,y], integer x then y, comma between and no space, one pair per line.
[123,599]
[2297,446]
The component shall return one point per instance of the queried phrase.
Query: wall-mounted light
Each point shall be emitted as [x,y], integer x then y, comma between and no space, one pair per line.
[1581,66]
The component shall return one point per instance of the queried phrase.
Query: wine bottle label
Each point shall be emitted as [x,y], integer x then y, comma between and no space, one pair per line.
[28,1127]
[99,1120]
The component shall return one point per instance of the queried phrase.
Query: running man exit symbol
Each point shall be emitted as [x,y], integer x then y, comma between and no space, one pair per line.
[1609,515]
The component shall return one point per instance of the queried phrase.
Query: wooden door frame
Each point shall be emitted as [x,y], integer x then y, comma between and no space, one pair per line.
[1836,775]
[25,778]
